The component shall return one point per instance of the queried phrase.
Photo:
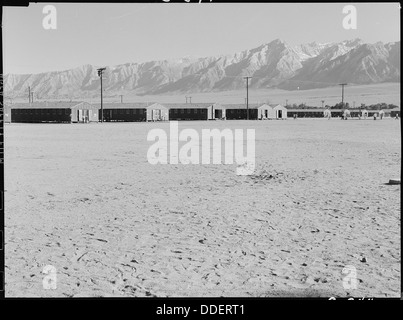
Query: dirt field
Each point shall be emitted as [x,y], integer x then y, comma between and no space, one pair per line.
[368,94]
[84,199]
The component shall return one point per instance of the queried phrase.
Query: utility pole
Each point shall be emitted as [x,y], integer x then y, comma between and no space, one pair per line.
[121,98]
[100,70]
[342,93]
[247,96]
[29,94]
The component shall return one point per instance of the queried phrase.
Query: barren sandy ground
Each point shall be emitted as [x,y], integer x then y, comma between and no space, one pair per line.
[83,198]
[367,94]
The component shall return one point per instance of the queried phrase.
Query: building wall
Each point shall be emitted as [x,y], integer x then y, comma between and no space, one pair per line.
[241,114]
[124,114]
[7,114]
[309,114]
[355,113]
[211,112]
[281,112]
[157,115]
[84,115]
[327,113]
[266,112]
[372,113]
[189,114]
[157,112]
[336,114]
[219,113]
[85,112]
[386,113]
[94,115]
[41,115]
[346,113]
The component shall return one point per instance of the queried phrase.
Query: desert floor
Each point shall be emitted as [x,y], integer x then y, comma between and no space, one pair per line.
[354,95]
[84,199]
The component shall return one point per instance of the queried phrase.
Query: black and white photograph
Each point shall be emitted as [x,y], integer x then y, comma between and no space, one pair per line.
[198,149]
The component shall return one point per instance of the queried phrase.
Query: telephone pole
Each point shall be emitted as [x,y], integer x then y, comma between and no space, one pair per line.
[29,94]
[342,93]
[100,70]
[121,98]
[247,96]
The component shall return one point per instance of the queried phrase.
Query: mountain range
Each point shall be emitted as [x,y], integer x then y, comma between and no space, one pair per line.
[272,65]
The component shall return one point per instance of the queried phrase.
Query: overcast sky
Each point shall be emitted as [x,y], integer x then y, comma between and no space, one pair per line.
[111,34]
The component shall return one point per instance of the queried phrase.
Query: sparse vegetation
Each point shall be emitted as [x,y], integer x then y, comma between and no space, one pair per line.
[377,106]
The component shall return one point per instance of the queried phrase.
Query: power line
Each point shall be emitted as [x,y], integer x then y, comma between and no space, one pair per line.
[247,96]
[100,70]
[342,93]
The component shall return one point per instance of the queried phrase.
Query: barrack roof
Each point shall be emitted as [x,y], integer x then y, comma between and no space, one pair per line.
[45,105]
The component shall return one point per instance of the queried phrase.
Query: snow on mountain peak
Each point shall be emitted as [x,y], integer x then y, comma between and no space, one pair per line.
[270,64]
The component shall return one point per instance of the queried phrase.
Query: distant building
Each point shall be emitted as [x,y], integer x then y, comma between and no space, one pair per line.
[240,111]
[190,111]
[346,113]
[7,113]
[59,111]
[219,111]
[313,113]
[123,112]
[394,112]
[327,113]
[280,111]
[157,112]
[265,112]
